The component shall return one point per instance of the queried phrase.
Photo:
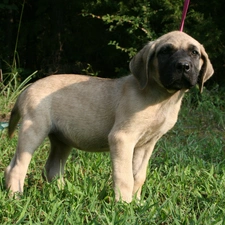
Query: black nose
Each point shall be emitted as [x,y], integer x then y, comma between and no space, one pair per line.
[183,66]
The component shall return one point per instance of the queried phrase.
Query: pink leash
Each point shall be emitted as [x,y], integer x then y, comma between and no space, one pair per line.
[186,4]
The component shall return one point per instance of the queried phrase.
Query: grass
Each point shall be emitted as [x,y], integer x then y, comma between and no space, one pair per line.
[185,181]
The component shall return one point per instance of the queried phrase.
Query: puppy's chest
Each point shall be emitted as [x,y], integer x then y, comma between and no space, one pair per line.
[154,125]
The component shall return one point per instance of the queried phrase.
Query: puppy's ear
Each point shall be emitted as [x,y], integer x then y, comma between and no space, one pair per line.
[139,65]
[206,71]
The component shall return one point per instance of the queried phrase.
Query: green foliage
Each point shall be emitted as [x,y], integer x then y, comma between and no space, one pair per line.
[138,25]
[102,35]
[11,84]
[10,88]
[14,87]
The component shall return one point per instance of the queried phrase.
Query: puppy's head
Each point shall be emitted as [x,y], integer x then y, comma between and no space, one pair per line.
[175,61]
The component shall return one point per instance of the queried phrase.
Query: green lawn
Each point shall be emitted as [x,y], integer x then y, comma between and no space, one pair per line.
[185,182]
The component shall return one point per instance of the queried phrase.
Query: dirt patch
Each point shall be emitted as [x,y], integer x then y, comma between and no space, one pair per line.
[4,117]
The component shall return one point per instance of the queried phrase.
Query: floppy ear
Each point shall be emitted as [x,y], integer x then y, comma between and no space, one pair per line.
[206,71]
[139,65]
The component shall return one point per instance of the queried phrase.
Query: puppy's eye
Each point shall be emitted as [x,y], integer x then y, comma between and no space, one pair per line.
[194,52]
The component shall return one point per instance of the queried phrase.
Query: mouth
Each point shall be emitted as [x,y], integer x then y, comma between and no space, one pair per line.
[184,83]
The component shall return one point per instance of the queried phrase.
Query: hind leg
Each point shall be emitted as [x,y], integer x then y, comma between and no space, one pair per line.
[30,137]
[59,153]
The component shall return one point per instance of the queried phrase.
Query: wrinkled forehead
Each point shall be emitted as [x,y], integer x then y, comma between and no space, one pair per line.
[178,40]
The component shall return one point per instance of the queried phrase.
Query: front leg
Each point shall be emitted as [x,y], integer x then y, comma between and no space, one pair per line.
[121,151]
[141,158]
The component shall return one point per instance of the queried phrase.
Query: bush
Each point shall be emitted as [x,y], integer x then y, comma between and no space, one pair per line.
[100,37]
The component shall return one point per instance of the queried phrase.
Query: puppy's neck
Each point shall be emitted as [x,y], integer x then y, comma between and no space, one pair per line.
[160,93]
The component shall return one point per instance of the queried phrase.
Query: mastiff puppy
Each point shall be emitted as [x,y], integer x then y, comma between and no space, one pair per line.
[126,116]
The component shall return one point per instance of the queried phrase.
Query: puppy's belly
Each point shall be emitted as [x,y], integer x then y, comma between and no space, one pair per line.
[89,140]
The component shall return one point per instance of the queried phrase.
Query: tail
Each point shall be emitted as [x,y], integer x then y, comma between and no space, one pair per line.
[14,119]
